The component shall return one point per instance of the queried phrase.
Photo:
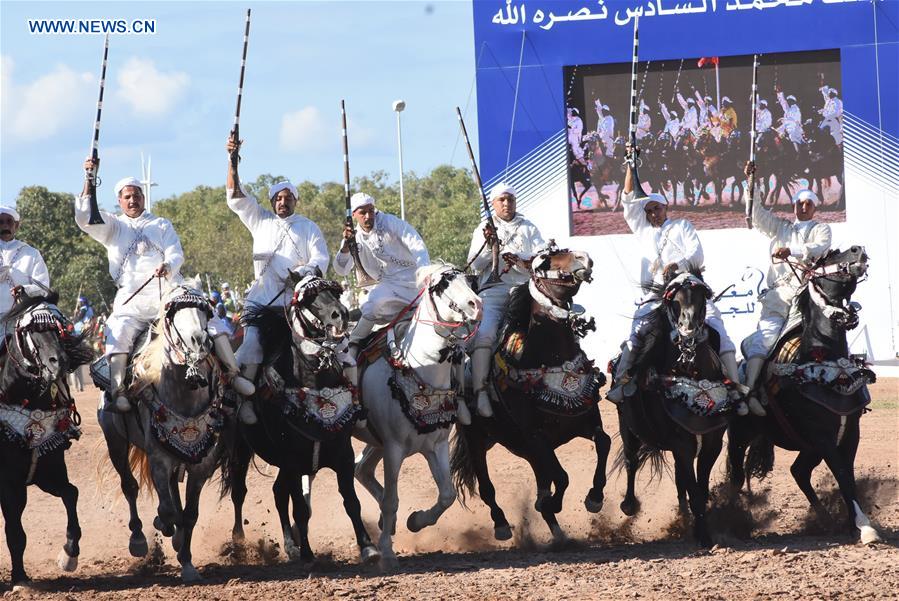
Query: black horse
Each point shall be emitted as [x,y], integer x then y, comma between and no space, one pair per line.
[545,394]
[681,400]
[816,393]
[38,420]
[307,410]
[777,159]
[825,161]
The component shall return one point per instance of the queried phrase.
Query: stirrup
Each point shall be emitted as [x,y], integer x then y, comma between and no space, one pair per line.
[756,407]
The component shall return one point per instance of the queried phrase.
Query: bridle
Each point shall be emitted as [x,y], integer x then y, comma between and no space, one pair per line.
[324,347]
[845,316]
[685,345]
[39,318]
[178,351]
[455,333]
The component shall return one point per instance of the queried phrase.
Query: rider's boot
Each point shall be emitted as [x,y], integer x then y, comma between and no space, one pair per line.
[622,387]
[480,370]
[351,373]
[729,367]
[245,412]
[115,399]
[753,369]
[241,385]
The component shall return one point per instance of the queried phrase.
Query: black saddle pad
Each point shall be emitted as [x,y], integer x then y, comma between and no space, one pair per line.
[841,404]
[691,422]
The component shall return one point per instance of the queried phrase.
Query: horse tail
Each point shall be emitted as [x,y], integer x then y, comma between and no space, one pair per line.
[461,466]
[760,458]
[646,454]
[236,452]
[140,467]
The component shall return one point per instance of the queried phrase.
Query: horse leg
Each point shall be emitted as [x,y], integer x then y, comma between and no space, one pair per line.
[167,515]
[841,461]
[13,498]
[602,443]
[630,445]
[683,463]
[681,483]
[118,449]
[736,454]
[393,461]
[709,451]
[302,512]
[438,462]
[53,479]
[281,494]
[344,470]
[802,469]
[239,466]
[189,516]
[365,471]
[477,453]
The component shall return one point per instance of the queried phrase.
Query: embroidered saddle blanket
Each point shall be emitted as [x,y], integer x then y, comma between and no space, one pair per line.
[37,429]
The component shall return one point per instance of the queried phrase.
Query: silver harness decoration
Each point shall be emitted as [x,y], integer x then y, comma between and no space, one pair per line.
[41,431]
[843,376]
[569,389]
[426,407]
[188,438]
[702,397]
[331,409]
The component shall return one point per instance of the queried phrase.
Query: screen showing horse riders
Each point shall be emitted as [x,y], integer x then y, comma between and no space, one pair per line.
[694,132]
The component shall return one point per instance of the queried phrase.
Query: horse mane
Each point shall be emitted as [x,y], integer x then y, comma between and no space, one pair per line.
[274,331]
[518,312]
[659,289]
[27,302]
[423,273]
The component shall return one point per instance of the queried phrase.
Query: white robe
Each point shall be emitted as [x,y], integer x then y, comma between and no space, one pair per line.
[279,246]
[762,120]
[517,236]
[607,133]
[792,120]
[390,253]
[575,133]
[20,265]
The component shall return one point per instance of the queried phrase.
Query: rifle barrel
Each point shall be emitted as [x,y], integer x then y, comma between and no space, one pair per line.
[634,108]
[474,168]
[243,68]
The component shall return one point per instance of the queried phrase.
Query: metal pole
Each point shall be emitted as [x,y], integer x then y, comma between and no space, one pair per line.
[398,107]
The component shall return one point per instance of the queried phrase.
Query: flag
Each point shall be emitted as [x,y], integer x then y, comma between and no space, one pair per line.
[707,60]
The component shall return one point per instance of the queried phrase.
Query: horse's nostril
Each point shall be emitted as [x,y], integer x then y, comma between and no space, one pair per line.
[335,315]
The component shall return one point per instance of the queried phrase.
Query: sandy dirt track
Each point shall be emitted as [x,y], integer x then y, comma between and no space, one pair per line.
[789,555]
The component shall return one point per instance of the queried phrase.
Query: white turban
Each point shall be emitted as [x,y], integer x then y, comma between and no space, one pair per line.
[10,211]
[806,195]
[360,199]
[285,185]
[125,182]
[725,99]
[791,97]
[653,197]
[763,102]
[500,189]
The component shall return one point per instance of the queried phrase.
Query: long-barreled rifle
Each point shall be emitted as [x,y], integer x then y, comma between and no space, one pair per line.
[362,277]
[91,174]
[633,159]
[235,131]
[494,247]
[750,185]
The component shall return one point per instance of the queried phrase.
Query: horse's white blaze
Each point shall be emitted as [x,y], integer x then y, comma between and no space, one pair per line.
[698,444]
[842,429]
[868,533]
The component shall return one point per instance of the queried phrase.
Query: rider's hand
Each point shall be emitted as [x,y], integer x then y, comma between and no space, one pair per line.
[162,270]
[749,168]
[670,271]
[781,253]
[489,234]
[91,164]
[233,145]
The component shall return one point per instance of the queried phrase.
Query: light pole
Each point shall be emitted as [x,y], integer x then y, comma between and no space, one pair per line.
[398,106]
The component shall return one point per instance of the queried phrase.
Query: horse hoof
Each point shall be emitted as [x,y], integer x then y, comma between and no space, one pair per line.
[502,532]
[137,546]
[869,535]
[164,529]
[389,563]
[630,508]
[415,522]
[238,537]
[190,574]
[293,552]
[559,535]
[592,506]
[370,555]
[66,562]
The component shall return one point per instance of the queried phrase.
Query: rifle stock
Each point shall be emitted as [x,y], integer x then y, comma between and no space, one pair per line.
[362,277]
[494,247]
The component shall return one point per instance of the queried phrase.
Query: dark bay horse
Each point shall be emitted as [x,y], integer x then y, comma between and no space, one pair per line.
[307,410]
[681,400]
[38,420]
[825,161]
[545,393]
[816,393]
[777,159]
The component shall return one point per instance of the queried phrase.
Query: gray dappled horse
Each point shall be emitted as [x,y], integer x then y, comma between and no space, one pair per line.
[174,428]
[38,419]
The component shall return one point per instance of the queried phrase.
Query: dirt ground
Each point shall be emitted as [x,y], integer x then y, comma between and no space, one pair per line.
[788,556]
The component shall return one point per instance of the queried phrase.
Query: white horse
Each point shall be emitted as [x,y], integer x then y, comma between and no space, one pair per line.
[426,369]
[174,426]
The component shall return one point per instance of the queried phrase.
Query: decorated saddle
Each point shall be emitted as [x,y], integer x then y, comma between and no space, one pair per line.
[37,430]
[569,389]
[187,437]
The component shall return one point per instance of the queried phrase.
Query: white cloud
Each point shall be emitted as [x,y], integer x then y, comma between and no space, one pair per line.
[307,130]
[149,91]
[38,110]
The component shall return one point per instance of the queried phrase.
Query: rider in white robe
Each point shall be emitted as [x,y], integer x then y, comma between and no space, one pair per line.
[791,124]
[140,245]
[644,122]
[832,114]
[519,237]
[802,239]
[763,117]
[668,246]
[575,134]
[391,251]
[691,114]
[22,269]
[672,123]
[283,243]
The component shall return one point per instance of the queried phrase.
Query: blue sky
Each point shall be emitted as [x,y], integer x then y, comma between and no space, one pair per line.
[171,95]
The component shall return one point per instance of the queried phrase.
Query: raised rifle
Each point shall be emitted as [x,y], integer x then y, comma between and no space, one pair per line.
[91,174]
[362,277]
[633,159]
[235,131]
[494,248]
[750,185]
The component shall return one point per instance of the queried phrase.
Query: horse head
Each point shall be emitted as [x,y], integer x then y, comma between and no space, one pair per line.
[832,281]
[456,309]
[316,310]
[41,340]
[559,272]
[684,300]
